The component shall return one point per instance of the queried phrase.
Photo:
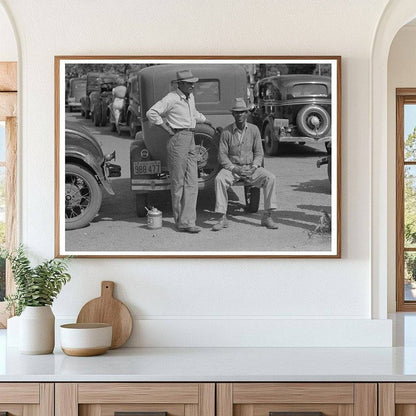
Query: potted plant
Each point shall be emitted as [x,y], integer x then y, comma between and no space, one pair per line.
[36,289]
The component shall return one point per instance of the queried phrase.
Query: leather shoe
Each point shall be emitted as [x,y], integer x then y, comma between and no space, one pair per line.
[222,223]
[267,221]
[191,230]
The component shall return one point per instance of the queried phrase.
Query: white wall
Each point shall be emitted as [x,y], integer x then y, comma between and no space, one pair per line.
[211,302]
[8,46]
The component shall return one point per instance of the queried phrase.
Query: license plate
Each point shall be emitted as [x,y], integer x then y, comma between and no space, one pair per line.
[147,168]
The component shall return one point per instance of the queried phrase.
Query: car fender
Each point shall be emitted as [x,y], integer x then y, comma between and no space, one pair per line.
[84,159]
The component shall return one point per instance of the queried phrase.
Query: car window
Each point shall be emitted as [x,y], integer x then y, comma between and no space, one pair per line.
[308,90]
[205,91]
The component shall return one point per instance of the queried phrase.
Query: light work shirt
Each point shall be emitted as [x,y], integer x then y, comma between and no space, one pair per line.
[240,148]
[177,110]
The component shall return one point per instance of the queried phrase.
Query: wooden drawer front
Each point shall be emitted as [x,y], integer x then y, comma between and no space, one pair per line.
[138,393]
[104,399]
[27,399]
[397,399]
[110,409]
[293,393]
[332,399]
[19,393]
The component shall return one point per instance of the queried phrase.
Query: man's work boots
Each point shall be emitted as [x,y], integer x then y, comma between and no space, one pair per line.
[222,223]
[267,221]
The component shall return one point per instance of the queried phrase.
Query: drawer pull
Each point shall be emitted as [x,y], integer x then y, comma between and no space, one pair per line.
[139,414]
[296,414]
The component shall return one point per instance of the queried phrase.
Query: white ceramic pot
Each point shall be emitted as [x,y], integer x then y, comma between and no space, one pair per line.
[37,330]
[86,339]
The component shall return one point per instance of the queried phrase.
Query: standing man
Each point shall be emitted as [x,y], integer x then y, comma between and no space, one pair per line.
[241,155]
[176,114]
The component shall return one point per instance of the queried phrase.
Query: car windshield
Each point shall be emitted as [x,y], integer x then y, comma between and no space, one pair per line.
[309,90]
[205,91]
[79,86]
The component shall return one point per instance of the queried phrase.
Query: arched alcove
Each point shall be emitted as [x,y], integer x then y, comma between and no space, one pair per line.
[396,14]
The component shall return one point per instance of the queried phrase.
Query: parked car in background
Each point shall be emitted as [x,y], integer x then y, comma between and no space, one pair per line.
[130,115]
[292,109]
[76,90]
[87,171]
[218,86]
[98,96]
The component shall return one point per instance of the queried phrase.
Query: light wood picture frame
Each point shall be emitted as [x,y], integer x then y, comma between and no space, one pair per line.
[294,101]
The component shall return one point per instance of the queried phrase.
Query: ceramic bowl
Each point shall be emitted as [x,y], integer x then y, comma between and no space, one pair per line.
[83,340]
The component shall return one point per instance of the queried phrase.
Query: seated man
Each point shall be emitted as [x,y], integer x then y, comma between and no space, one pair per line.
[240,155]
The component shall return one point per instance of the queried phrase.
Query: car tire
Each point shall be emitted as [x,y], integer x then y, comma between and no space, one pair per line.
[309,113]
[103,109]
[206,142]
[82,113]
[87,114]
[141,204]
[329,170]
[83,196]
[271,143]
[113,127]
[252,196]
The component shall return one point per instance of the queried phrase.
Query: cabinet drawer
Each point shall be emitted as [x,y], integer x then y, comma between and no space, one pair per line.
[297,399]
[21,399]
[153,399]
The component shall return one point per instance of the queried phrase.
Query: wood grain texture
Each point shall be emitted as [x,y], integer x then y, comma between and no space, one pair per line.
[293,393]
[405,393]
[386,399]
[224,399]
[8,76]
[27,393]
[138,393]
[107,309]
[264,409]
[91,410]
[207,399]
[31,410]
[47,399]
[13,409]
[66,399]
[110,409]
[365,402]
[345,410]
[8,105]
[190,410]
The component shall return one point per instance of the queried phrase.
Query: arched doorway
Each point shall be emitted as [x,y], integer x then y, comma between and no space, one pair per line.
[396,14]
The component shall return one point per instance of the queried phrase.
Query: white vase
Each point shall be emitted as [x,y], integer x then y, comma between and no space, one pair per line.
[37,330]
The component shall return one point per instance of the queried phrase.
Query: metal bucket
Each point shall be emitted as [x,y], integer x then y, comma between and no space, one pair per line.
[154,218]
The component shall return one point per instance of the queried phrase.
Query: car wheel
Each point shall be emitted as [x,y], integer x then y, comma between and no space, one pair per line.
[141,204]
[313,121]
[113,126]
[271,144]
[83,197]
[252,195]
[329,170]
[206,143]
[82,113]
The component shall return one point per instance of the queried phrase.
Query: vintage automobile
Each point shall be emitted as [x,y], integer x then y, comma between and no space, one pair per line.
[87,171]
[292,109]
[130,115]
[98,96]
[76,89]
[214,94]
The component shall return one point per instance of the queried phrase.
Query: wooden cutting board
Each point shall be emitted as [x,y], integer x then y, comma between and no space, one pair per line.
[107,309]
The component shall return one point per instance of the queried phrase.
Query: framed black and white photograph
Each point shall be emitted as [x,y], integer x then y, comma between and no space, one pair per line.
[198,156]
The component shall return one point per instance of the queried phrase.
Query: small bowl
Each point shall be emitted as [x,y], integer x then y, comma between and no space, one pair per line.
[84,340]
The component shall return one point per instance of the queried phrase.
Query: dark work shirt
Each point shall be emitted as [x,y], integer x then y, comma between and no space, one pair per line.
[247,151]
